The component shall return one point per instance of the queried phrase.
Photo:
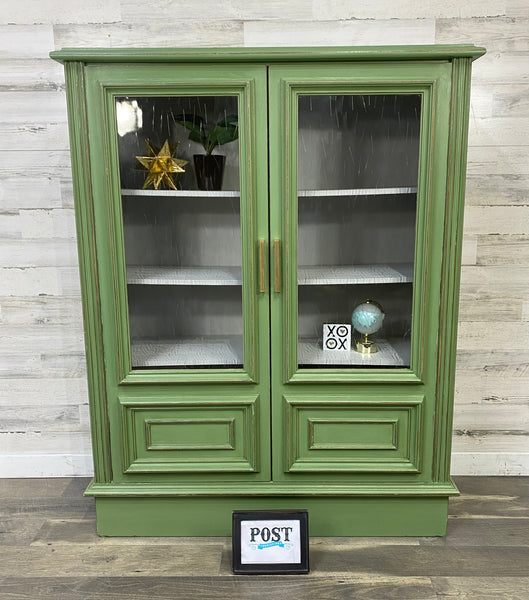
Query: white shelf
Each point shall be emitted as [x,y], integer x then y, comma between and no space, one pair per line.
[188,352]
[357,192]
[227,276]
[182,193]
[391,353]
[355,274]
[141,275]
[395,191]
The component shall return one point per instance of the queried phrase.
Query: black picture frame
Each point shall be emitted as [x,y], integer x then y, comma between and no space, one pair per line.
[267,536]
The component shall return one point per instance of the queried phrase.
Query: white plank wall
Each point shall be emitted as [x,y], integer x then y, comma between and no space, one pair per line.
[44,429]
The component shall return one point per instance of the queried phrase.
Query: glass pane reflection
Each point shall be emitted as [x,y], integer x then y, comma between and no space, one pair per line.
[182,237]
[357,188]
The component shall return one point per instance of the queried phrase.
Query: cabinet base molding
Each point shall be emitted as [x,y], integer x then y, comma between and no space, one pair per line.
[330,516]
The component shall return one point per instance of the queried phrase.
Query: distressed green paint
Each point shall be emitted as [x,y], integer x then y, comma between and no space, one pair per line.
[204,435]
[270,435]
[387,434]
[269,55]
[105,84]
[454,205]
[373,516]
[248,84]
[88,270]
[213,489]
[287,83]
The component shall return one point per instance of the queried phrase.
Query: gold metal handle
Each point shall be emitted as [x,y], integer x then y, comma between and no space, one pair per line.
[262,287]
[277,266]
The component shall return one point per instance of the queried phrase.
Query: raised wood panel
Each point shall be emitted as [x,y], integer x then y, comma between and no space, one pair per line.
[342,435]
[204,435]
[296,33]
[160,33]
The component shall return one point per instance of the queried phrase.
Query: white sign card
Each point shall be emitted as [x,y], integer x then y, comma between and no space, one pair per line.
[336,337]
[270,542]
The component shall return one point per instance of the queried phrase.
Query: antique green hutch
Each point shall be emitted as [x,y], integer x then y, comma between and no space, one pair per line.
[210,388]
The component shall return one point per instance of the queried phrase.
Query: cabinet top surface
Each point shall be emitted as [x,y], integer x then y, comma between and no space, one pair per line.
[269,55]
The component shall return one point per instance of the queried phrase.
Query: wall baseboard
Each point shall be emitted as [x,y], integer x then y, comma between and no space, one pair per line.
[490,463]
[45,465]
[80,465]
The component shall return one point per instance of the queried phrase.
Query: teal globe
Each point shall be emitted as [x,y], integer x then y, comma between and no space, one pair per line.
[367,318]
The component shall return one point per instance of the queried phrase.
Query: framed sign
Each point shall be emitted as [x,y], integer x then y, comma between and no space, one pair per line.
[274,541]
[336,337]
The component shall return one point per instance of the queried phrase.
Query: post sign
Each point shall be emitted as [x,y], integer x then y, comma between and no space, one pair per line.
[270,542]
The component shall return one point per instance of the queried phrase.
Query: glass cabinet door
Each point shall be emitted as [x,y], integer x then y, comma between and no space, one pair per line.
[357,176]
[179,172]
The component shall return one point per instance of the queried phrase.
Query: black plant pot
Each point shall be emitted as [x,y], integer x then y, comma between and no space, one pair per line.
[209,170]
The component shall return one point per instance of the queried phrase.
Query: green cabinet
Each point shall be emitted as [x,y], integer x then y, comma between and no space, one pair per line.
[225,368]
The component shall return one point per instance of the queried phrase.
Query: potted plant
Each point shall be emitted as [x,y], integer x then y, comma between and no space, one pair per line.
[209,168]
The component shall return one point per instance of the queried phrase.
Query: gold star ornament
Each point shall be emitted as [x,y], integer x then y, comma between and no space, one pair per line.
[160,165]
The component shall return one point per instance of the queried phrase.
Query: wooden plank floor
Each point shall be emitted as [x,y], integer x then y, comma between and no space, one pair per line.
[49,549]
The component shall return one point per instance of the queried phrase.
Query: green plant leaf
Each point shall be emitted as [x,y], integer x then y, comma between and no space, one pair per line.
[223,132]
[195,125]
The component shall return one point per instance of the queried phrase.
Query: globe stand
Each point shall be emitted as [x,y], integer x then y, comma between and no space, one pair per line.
[366,346]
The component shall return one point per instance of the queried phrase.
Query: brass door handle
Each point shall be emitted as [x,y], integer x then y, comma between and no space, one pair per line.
[262,270]
[277,266]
